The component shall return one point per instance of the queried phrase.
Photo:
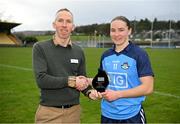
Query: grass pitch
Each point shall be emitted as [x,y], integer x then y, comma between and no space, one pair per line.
[19,95]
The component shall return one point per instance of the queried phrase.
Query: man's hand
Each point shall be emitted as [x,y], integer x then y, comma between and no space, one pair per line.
[81,83]
[90,81]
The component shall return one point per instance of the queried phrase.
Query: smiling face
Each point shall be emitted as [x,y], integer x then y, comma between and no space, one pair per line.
[119,32]
[63,24]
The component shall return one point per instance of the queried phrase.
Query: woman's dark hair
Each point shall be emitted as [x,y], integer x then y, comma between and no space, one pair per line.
[124,19]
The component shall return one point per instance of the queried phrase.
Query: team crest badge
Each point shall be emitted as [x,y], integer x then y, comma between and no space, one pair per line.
[125,66]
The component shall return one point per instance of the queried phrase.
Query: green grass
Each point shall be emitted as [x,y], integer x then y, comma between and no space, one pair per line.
[19,95]
[43,38]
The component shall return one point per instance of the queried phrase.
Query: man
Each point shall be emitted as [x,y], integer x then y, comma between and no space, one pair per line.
[59,67]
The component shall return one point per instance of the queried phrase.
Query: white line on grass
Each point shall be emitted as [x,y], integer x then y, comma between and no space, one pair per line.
[28,69]
[16,67]
[166,94]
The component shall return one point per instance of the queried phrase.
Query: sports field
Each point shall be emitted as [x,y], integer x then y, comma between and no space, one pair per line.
[19,95]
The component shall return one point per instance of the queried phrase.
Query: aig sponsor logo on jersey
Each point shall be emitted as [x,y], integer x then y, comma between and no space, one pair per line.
[118,80]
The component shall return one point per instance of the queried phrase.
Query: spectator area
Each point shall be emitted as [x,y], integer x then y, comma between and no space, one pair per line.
[6,37]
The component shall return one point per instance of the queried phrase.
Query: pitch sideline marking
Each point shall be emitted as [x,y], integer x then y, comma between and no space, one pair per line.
[166,94]
[28,69]
[16,67]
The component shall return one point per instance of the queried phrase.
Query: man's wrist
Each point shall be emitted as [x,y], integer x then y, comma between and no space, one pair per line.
[72,81]
[88,92]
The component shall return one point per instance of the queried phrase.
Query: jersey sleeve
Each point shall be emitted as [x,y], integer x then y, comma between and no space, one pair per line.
[144,65]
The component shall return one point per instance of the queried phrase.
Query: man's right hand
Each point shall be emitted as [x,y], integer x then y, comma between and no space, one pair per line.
[81,83]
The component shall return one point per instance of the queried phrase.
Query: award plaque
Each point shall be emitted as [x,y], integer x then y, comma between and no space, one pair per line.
[100,81]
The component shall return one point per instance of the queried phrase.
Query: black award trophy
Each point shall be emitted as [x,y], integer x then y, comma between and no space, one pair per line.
[100,81]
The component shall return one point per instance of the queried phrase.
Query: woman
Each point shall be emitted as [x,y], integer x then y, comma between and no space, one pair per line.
[130,77]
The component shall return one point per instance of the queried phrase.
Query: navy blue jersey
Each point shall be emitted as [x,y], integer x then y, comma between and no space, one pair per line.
[124,70]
